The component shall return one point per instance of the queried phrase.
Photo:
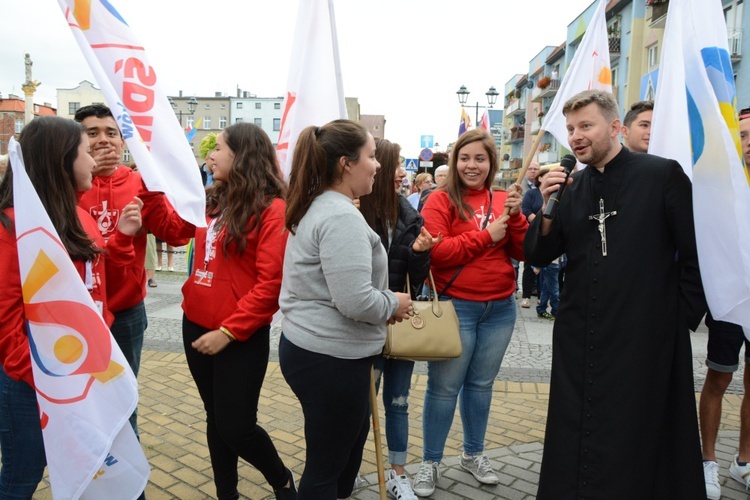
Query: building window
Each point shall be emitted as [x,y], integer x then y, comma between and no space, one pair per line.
[238,120]
[223,106]
[207,106]
[653,56]
[190,122]
[126,158]
[276,124]
[206,123]
[222,122]
[259,122]
[73,107]
[19,125]
[257,105]
[239,105]
[277,105]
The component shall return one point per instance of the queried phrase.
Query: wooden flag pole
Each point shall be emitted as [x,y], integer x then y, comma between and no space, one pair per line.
[376,433]
[526,163]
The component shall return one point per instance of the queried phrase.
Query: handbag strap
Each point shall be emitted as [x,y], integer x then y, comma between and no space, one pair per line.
[460,268]
[433,293]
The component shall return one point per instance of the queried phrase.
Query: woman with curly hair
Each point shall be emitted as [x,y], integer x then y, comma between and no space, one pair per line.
[229,301]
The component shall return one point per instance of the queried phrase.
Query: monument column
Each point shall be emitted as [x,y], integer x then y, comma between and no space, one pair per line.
[29,89]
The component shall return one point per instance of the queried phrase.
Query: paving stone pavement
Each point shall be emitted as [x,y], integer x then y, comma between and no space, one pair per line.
[171,416]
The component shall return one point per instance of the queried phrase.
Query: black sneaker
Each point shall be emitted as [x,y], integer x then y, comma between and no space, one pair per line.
[287,493]
[545,315]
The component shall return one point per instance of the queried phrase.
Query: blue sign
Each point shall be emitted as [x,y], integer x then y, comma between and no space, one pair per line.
[411,164]
[427,141]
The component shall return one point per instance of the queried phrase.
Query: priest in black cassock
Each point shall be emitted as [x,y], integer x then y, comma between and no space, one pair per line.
[622,419]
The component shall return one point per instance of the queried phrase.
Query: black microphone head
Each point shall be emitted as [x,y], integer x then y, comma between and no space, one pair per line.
[568,162]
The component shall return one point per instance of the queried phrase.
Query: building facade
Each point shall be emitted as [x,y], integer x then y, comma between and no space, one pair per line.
[12,116]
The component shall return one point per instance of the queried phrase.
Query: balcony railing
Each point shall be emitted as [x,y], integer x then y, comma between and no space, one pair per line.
[551,89]
[516,163]
[735,44]
[614,44]
[516,135]
[658,9]
[517,107]
[547,157]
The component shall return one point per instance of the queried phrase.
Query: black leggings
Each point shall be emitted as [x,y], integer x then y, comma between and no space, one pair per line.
[334,394]
[229,384]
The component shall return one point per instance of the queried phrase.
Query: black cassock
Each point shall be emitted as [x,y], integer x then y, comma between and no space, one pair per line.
[622,420]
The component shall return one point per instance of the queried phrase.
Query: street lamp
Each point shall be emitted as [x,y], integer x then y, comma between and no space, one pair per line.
[463,96]
[192,104]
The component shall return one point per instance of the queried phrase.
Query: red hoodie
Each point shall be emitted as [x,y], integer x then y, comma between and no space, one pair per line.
[488,272]
[14,344]
[244,292]
[105,201]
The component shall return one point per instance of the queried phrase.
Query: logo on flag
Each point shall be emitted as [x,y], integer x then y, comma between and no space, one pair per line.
[141,109]
[85,389]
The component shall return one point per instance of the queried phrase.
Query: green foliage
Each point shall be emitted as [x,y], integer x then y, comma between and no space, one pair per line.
[207,144]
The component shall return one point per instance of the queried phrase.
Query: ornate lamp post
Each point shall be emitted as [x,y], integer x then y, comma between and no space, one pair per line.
[463,96]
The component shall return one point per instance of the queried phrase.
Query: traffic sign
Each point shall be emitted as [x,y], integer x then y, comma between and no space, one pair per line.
[411,164]
[425,164]
[427,141]
[425,154]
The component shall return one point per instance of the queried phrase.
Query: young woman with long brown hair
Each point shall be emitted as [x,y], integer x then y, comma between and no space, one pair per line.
[335,301]
[56,155]
[229,302]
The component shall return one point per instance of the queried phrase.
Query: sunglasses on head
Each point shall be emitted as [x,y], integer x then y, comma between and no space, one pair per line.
[744,113]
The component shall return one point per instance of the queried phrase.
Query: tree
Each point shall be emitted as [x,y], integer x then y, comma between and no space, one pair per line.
[207,144]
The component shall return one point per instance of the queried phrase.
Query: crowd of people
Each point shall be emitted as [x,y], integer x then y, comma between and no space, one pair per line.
[333,248]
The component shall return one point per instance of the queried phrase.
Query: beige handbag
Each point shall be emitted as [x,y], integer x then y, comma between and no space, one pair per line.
[430,334]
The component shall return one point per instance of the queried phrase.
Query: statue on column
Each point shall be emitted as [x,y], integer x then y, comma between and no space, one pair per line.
[29,86]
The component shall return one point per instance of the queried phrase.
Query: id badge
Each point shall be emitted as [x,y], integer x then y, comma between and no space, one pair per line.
[204,277]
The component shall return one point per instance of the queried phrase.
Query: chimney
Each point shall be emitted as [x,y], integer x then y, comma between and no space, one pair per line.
[180,93]
[47,104]
[13,96]
[217,94]
[239,92]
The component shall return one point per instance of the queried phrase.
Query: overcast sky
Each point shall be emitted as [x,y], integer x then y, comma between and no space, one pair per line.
[404,59]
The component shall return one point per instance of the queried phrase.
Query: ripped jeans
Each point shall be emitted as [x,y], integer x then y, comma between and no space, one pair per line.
[397,375]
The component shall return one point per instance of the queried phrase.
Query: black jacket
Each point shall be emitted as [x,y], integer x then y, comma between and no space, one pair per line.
[401,256]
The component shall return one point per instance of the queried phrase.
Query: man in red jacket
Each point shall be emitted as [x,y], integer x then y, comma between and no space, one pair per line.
[114,186]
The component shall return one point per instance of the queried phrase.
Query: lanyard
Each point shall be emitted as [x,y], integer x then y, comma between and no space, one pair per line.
[210,239]
[88,276]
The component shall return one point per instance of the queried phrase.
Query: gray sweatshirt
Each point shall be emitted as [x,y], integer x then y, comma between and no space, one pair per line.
[334,291]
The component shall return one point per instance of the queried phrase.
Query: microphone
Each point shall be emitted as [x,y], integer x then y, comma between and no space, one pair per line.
[567,162]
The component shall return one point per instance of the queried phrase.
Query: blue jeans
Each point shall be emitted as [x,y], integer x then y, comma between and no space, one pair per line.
[128,329]
[486,329]
[21,441]
[550,289]
[397,382]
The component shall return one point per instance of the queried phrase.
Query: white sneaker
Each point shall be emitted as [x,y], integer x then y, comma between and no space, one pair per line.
[426,478]
[399,487]
[711,476]
[740,473]
[359,482]
[480,467]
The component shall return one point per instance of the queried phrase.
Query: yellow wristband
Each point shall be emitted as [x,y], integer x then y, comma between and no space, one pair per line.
[227,333]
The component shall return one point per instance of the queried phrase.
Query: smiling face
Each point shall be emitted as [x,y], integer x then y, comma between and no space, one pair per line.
[473,165]
[592,138]
[359,176]
[637,136]
[83,166]
[222,159]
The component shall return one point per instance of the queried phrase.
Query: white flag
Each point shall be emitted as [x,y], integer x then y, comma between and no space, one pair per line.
[141,109]
[85,389]
[589,70]
[695,122]
[315,93]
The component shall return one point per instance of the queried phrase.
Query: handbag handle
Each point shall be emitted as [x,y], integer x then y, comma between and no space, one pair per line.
[436,309]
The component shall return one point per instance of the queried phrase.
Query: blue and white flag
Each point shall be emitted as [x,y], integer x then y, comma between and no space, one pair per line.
[695,122]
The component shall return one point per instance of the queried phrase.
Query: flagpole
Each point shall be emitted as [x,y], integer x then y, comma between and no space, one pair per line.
[526,163]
